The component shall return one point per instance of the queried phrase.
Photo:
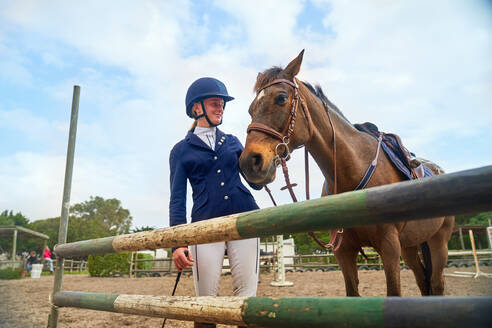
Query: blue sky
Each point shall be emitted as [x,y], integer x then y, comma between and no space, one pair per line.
[417,68]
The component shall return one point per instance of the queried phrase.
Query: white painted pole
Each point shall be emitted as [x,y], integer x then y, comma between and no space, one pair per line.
[280,281]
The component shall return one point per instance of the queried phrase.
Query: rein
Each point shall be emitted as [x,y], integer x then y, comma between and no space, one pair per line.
[284,137]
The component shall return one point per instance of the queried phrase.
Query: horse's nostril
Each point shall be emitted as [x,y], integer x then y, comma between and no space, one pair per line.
[256,162]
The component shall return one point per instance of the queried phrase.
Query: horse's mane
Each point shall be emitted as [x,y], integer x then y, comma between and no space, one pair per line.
[275,73]
[318,92]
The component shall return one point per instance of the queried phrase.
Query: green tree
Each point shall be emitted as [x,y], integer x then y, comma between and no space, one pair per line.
[49,227]
[115,219]
[88,220]
[142,228]
[306,245]
[480,219]
[9,218]
[82,228]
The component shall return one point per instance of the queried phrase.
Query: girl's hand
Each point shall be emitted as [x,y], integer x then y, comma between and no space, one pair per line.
[182,258]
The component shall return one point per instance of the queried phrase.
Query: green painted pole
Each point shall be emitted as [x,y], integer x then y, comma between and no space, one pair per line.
[90,301]
[449,194]
[355,312]
[67,188]
[309,312]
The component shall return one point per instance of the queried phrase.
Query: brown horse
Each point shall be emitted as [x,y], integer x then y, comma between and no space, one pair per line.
[274,123]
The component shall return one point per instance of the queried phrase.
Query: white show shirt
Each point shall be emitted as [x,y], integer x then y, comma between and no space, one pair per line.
[207,135]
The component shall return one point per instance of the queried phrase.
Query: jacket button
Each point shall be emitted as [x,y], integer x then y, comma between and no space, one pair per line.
[218,171]
[215,158]
[222,184]
[226,197]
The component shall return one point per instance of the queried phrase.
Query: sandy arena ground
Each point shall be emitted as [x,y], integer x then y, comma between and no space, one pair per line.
[24,303]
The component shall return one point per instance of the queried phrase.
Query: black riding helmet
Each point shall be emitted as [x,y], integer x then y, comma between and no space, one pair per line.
[205,87]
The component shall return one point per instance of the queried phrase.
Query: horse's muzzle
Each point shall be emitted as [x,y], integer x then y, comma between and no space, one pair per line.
[255,169]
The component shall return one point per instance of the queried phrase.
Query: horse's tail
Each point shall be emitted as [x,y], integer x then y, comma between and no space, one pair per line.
[426,257]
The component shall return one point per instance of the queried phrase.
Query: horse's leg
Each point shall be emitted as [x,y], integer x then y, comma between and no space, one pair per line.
[389,248]
[346,256]
[411,257]
[438,245]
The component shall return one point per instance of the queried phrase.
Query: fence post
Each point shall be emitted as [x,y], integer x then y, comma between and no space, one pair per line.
[14,249]
[131,265]
[461,238]
[280,265]
[62,233]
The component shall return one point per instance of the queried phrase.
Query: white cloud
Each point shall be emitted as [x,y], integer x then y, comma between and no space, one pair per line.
[13,66]
[32,184]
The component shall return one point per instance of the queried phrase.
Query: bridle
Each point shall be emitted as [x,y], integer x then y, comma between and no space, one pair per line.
[284,138]
[288,129]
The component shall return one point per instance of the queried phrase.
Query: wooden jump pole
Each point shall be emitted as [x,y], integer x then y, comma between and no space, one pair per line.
[432,312]
[67,188]
[448,194]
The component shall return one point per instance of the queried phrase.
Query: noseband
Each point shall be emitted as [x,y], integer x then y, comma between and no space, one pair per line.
[287,131]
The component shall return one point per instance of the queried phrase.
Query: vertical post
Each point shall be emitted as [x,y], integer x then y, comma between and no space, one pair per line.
[14,249]
[474,250]
[131,265]
[62,234]
[489,235]
[461,238]
[280,265]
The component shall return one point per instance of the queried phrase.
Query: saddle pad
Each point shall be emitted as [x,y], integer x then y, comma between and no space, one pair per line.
[392,149]
[392,146]
[399,164]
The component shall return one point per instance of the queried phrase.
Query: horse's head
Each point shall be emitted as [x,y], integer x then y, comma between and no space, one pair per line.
[277,126]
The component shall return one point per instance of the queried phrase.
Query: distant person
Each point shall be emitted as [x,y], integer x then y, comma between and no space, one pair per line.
[31,259]
[47,258]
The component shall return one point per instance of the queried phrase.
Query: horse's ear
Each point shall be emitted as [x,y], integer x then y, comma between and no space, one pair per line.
[294,66]
[258,79]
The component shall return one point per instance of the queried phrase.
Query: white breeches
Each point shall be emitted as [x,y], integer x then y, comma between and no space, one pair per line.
[244,262]
[50,263]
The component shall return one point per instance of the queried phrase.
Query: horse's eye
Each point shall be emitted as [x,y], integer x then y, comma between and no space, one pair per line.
[280,99]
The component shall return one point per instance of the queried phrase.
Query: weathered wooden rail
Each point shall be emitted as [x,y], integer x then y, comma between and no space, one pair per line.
[432,312]
[448,194]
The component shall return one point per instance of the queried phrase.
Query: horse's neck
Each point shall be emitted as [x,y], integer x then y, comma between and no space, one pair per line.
[354,150]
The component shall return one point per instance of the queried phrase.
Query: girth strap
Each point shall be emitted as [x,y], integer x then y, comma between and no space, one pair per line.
[370,170]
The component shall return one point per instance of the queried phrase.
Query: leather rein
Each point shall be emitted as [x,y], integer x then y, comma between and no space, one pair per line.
[281,158]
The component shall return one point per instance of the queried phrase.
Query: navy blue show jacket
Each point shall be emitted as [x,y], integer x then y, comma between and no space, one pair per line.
[214,178]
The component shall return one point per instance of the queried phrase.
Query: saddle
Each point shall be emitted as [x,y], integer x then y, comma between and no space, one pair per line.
[400,156]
